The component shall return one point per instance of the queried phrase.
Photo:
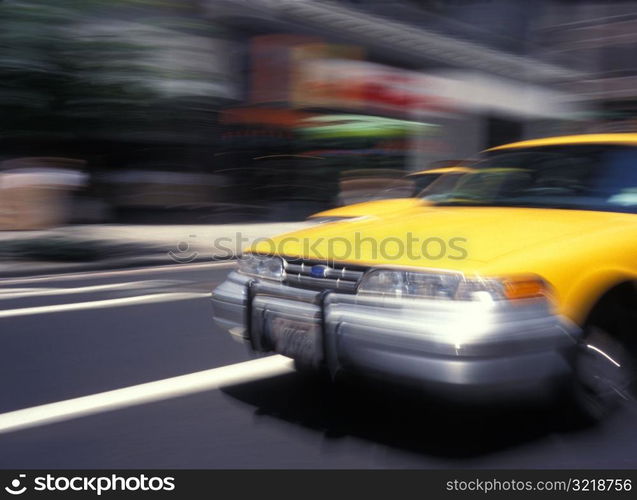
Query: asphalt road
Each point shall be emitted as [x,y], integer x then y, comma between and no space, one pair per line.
[190,400]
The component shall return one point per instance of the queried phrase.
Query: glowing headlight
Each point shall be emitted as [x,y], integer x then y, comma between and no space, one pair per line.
[450,286]
[261,266]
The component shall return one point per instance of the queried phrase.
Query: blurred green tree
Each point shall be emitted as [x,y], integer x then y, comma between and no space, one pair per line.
[132,71]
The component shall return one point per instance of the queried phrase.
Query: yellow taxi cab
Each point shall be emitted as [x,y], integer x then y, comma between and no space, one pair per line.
[521,279]
[423,186]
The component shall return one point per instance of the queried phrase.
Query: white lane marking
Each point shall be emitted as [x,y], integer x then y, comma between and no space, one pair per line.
[39,292]
[159,390]
[106,274]
[101,304]
[7,291]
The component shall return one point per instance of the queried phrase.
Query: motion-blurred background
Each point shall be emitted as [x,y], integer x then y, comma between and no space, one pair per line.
[221,111]
[140,133]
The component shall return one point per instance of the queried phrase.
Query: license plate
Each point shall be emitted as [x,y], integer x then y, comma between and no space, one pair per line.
[297,339]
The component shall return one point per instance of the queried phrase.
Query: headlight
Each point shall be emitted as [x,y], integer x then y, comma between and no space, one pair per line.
[261,266]
[397,283]
[450,286]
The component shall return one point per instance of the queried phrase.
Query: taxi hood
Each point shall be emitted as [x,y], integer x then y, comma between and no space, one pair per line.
[461,238]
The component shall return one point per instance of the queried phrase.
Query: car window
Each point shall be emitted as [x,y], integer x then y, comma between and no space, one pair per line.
[577,177]
[441,185]
[423,180]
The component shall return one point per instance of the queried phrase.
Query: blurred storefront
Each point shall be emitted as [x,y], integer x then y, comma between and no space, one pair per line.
[35,192]
[223,110]
[372,97]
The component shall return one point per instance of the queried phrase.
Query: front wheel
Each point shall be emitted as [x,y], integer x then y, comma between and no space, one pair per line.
[604,375]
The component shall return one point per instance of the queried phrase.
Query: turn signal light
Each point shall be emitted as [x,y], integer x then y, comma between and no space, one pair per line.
[525,287]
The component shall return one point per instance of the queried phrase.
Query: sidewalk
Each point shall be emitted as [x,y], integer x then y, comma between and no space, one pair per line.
[110,246]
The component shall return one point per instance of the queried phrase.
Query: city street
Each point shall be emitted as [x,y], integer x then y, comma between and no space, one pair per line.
[72,336]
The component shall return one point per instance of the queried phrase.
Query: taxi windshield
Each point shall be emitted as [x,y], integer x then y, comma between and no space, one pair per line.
[599,177]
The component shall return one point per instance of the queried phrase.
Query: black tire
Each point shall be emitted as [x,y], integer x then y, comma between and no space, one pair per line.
[604,375]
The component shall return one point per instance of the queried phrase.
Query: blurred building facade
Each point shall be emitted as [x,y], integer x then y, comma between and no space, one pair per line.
[387,86]
[600,39]
[223,110]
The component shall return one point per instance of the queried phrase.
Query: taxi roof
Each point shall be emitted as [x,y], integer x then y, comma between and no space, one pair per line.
[444,170]
[568,140]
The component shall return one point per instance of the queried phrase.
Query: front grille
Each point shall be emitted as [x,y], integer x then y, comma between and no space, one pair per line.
[326,276]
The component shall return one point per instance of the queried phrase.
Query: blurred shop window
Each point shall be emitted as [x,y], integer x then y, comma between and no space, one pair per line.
[35,192]
[162,189]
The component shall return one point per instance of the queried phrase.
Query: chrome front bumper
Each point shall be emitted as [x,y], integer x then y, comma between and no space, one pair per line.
[452,345]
